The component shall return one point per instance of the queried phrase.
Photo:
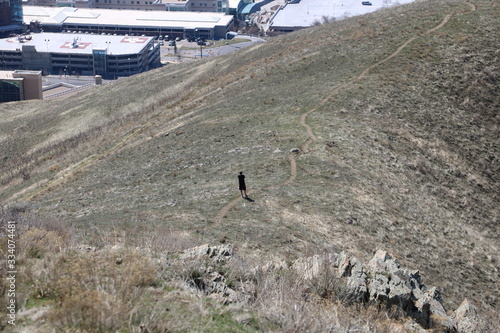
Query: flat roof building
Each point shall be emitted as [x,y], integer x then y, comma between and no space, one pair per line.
[300,14]
[80,54]
[151,23]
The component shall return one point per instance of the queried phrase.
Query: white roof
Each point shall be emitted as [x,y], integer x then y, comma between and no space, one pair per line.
[125,18]
[306,12]
[7,75]
[64,43]
[233,3]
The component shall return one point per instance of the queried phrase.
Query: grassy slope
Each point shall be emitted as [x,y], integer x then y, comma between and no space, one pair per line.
[406,154]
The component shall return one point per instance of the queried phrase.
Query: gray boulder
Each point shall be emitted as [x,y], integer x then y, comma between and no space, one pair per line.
[354,272]
[390,283]
[431,313]
[466,318]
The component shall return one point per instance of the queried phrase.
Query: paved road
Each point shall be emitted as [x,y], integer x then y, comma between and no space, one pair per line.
[190,51]
[69,79]
[234,47]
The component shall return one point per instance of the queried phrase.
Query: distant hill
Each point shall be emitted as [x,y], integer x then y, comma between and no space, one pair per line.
[392,118]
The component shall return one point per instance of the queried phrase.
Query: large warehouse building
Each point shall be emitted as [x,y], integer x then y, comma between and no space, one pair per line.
[300,14]
[80,54]
[151,23]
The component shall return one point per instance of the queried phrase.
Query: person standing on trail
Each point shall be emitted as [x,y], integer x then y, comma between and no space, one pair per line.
[243,186]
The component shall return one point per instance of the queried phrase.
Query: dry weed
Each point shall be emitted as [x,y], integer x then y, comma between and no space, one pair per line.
[111,283]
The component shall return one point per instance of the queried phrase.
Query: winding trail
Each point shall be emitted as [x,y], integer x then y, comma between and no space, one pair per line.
[310,133]
[47,184]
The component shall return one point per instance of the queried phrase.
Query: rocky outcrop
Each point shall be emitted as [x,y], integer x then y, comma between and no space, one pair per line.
[382,281]
[218,254]
[206,278]
[394,286]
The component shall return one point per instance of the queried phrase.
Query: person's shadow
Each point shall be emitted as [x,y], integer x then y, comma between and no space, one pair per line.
[248,199]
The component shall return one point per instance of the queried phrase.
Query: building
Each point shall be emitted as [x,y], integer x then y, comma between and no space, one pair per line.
[149,23]
[177,5]
[80,54]
[246,8]
[11,17]
[300,14]
[20,85]
[219,6]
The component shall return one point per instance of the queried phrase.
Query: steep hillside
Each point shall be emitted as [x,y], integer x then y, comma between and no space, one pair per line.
[395,115]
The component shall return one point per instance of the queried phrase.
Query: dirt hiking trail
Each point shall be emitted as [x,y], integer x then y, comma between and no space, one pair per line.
[46,184]
[304,149]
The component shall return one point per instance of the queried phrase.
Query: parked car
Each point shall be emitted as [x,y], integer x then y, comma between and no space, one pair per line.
[366,3]
[171,43]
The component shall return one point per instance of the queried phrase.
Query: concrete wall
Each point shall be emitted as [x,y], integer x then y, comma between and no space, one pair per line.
[34,60]
[32,83]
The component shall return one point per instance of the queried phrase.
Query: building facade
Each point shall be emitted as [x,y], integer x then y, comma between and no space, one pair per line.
[80,54]
[219,6]
[11,17]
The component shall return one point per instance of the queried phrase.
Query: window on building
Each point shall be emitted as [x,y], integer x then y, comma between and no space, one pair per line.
[10,91]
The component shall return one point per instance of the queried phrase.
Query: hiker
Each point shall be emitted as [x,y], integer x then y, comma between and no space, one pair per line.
[243,187]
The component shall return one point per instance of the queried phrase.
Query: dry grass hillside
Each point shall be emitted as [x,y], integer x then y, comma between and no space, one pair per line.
[396,117]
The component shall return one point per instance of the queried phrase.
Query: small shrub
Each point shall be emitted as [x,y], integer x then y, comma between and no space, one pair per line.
[36,243]
[326,284]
